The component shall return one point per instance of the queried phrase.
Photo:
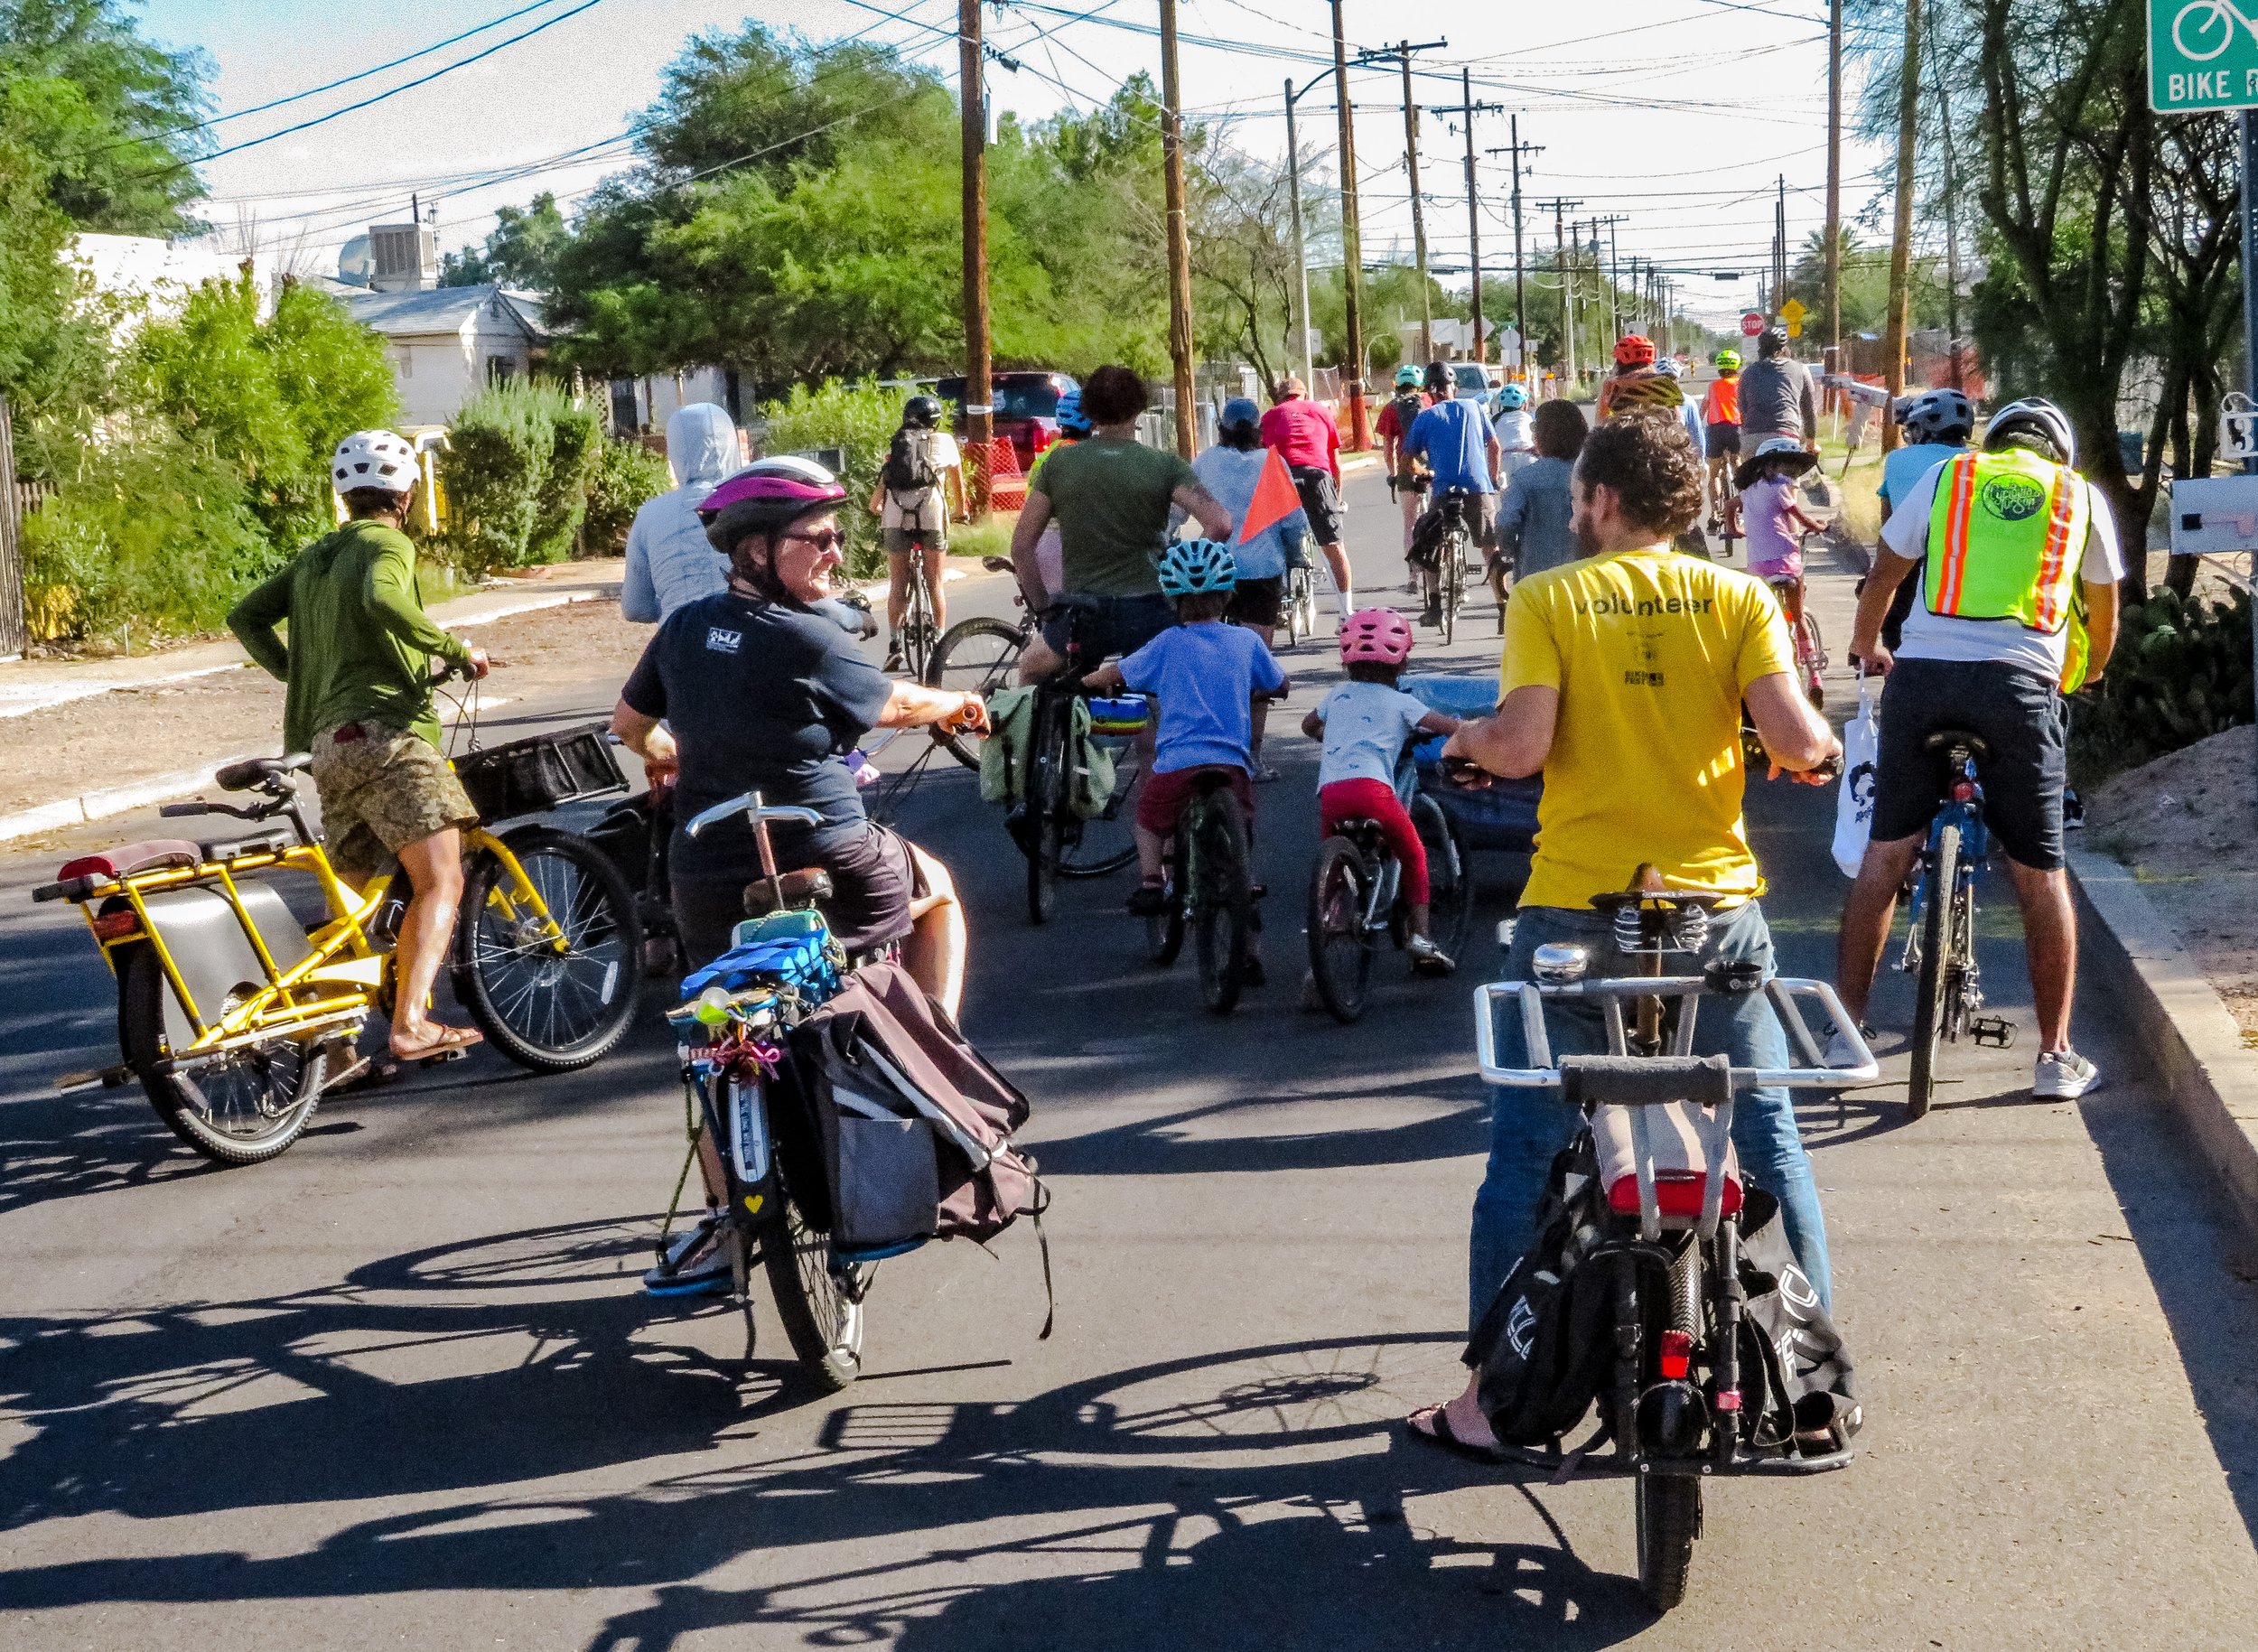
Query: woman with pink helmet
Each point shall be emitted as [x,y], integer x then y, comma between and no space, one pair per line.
[1366,723]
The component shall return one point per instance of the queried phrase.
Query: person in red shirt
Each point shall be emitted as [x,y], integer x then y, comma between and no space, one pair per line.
[1408,473]
[1304,435]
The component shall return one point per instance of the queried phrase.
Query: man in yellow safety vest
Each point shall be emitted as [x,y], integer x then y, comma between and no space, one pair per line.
[2018,605]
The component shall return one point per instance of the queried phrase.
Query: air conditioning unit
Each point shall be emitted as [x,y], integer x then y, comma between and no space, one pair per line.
[406,258]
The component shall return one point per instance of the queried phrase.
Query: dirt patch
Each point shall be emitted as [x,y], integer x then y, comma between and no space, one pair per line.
[2183,824]
[137,735]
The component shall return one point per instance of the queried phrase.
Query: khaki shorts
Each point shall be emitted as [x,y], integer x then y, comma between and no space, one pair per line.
[382,789]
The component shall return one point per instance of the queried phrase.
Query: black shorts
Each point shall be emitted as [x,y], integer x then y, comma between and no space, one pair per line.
[2017,713]
[1320,498]
[873,878]
[1257,602]
[1722,439]
[1109,626]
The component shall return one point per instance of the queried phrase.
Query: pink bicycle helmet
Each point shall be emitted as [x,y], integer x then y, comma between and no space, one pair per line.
[1376,634]
[761,501]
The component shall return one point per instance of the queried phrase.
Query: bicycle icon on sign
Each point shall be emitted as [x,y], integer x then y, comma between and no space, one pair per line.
[2206,28]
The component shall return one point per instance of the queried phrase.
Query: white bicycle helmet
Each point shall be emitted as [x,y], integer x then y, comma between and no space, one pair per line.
[793,466]
[1193,567]
[2034,416]
[373,459]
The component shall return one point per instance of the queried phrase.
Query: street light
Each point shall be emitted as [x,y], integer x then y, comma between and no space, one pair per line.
[1293,194]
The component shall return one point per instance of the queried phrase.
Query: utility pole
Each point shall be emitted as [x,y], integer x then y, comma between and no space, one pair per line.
[1952,222]
[979,385]
[1834,253]
[1901,240]
[1615,273]
[1473,214]
[1419,210]
[1351,245]
[1300,252]
[1779,240]
[1179,236]
[1520,293]
[1567,285]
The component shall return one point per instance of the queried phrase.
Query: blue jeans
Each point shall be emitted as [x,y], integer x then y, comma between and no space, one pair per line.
[1527,1127]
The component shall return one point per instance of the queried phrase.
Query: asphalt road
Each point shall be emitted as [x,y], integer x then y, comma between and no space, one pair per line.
[398,1386]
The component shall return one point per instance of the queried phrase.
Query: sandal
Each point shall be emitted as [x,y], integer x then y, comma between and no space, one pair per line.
[447,1043]
[1440,1437]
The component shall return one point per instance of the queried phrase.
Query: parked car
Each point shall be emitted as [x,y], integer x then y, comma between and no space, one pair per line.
[1476,381]
[1026,408]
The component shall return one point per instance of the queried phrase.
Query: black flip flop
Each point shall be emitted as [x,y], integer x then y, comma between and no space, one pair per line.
[1442,1439]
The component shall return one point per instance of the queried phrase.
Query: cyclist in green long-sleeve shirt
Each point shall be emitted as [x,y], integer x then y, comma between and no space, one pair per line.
[358,667]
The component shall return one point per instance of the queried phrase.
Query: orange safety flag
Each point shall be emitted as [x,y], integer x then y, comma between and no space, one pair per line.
[1276,498]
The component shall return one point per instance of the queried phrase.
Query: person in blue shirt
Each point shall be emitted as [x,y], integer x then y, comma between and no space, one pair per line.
[1938,425]
[1461,449]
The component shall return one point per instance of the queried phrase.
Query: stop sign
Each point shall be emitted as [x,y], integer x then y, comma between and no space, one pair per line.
[1752,325]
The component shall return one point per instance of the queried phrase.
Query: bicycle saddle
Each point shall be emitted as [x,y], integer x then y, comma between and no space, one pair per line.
[257,770]
[1943,740]
[997,565]
[1682,899]
[790,888]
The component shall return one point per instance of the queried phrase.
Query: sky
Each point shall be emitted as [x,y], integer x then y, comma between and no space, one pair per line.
[1678,115]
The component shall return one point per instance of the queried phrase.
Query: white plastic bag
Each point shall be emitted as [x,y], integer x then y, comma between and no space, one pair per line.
[1854,795]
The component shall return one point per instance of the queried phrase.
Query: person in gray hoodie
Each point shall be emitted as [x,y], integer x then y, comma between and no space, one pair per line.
[668,560]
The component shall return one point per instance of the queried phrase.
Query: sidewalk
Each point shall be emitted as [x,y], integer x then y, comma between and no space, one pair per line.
[28,685]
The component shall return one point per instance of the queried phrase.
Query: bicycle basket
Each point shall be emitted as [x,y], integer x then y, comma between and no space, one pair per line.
[540,772]
[1119,716]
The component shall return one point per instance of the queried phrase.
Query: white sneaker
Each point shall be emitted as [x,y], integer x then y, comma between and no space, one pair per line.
[2064,1074]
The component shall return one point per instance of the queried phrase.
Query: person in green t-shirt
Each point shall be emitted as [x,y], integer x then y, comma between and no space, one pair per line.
[1110,495]
[358,667]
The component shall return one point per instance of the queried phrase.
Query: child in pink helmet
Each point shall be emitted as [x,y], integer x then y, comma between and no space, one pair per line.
[1366,723]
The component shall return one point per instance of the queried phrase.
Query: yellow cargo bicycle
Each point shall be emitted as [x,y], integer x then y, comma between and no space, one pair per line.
[234,1014]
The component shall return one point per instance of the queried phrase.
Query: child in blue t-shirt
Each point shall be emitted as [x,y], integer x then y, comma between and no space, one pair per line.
[1205,676]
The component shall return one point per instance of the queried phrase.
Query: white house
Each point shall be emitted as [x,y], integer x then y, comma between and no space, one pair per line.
[445,343]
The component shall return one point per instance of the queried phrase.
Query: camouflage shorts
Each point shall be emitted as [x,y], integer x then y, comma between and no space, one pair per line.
[382,789]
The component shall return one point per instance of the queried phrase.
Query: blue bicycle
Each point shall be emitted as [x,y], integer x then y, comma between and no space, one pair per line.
[1940,948]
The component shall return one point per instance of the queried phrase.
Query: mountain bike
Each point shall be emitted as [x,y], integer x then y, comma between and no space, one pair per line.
[1210,893]
[1355,899]
[1446,580]
[731,1029]
[231,1013]
[979,655]
[1940,941]
[918,634]
[1056,839]
[1678,1401]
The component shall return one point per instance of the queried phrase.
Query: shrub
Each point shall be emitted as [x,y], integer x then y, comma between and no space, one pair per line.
[517,472]
[2181,673]
[627,476]
[858,419]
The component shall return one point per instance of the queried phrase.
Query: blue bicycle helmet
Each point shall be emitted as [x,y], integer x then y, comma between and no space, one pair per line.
[1196,567]
[1070,416]
[1513,397]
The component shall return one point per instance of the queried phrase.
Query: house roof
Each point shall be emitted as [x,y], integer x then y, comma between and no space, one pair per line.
[444,310]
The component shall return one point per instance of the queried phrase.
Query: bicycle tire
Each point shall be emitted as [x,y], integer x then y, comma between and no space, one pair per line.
[1164,931]
[1928,993]
[1222,905]
[571,1008]
[917,626]
[959,663]
[1812,655]
[1341,953]
[1450,875]
[1667,1510]
[1107,841]
[284,1068]
[1452,587]
[822,1318]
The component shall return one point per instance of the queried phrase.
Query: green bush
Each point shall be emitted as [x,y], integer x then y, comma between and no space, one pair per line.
[151,542]
[860,420]
[2181,673]
[628,475]
[519,461]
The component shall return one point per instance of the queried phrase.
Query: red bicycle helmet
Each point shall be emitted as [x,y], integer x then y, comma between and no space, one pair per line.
[1378,634]
[1633,350]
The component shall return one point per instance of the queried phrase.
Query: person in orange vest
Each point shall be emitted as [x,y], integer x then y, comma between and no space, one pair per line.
[1720,422]
[2016,605]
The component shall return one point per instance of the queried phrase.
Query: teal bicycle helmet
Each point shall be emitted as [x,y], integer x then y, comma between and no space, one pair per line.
[1513,397]
[1197,567]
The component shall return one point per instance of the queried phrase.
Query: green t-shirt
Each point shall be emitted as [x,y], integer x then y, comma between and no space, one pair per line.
[361,645]
[1110,498]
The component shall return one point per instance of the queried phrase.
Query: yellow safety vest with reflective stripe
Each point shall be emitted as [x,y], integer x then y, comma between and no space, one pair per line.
[2005,537]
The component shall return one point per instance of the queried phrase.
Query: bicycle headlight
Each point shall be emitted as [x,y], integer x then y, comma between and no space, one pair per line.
[1557,964]
[712,1008]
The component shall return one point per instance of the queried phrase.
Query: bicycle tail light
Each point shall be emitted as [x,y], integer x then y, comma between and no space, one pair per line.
[1677,1355]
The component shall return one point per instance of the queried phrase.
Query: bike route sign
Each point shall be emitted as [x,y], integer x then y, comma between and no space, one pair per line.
[2202,54]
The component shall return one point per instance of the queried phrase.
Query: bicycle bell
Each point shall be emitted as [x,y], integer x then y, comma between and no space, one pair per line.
[1557,962]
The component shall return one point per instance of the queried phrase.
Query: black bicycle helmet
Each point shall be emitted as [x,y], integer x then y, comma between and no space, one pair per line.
[921,413]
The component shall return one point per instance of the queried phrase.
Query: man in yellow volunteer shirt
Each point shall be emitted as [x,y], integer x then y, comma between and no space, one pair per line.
[1624,677]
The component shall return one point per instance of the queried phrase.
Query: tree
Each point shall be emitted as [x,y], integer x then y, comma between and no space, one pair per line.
[114,120]
[521,252]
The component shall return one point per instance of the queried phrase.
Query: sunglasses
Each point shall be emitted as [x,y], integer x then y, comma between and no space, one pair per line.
[830,540]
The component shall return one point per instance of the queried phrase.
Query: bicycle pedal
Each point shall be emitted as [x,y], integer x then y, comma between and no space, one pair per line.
[437,1056]
[1993,1032]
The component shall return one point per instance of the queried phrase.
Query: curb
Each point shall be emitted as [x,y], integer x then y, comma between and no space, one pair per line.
[100,804]
[2197,1047]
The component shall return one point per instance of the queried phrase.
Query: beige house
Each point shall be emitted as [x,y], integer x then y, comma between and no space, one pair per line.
[445,343]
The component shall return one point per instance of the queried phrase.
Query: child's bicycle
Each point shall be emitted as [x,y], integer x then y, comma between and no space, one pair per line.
[1356,900]
[234,1018]
[1802,628]
[1211,893]
[1679,1404]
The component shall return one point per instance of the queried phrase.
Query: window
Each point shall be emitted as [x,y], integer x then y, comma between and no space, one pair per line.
[404,362]
[500,369]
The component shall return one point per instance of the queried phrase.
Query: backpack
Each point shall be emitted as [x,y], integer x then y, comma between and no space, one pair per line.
[908,467]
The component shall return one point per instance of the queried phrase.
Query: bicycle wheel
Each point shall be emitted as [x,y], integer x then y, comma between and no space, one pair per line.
[1668,1510]
[550,998]
[243,1108]
[1450,875]
[1341,953]
[1928,993]
[1164,931]
[918,631]
[974,656]
[1452,585]
[1107,842]
[1811,657]
[1306,584]
[1222,906]
[821,1309]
